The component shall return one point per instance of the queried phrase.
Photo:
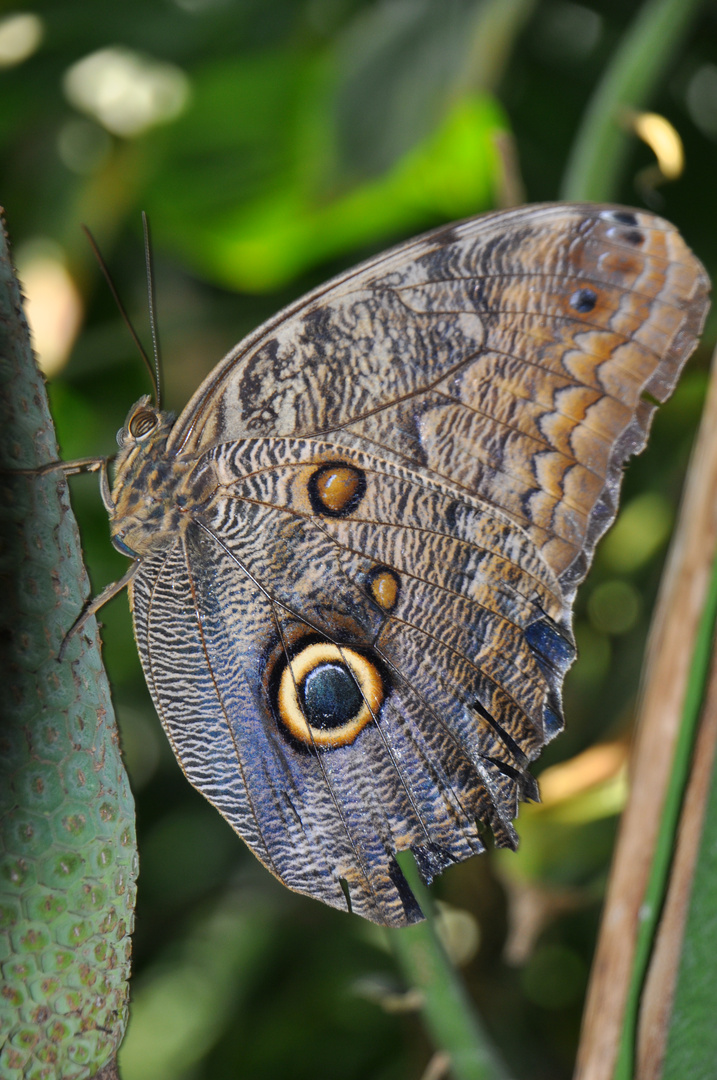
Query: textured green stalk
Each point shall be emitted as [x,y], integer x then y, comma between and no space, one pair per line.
[449,1017]
[67,876]
[692,1040]
[600,148]
[664,848]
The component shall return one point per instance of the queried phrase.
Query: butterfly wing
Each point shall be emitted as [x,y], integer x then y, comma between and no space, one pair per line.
[357,643]
[518,355]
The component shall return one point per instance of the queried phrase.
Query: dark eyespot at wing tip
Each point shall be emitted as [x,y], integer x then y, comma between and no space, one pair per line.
[583,300]
[626,226]
[623,217]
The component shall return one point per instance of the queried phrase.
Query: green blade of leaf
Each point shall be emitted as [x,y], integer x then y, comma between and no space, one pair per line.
[598,154]
[692,1037]
[450,1019]
[674,688]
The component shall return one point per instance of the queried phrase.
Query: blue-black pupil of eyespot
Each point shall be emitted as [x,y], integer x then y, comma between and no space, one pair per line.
[583,300]
[329,696]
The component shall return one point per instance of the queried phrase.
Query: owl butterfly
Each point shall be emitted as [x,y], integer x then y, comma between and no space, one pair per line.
[356,550]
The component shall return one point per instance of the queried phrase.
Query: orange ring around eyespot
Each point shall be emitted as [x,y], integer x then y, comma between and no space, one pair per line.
[369,682]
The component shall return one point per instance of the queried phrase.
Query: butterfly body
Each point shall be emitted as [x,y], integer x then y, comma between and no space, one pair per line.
[359,543]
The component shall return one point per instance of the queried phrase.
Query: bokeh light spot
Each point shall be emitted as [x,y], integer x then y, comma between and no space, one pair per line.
[614,607]
[20,37]
[125,91]
[594,655]
[568,31]
[83,146]
[554,977]
[701,99]
[639,532]
[53,305]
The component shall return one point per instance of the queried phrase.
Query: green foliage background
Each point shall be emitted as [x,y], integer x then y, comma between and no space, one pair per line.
[316,132]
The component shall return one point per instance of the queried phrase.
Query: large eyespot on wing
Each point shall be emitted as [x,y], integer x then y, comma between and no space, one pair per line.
[517,355]
[324,694]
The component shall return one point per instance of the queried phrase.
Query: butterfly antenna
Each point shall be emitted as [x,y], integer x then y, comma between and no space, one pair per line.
[150,301]
[123,313]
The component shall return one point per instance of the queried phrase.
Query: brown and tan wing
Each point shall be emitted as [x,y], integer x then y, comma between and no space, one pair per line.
[518,356]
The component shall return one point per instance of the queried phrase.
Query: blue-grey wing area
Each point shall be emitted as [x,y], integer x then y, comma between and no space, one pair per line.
[197,622]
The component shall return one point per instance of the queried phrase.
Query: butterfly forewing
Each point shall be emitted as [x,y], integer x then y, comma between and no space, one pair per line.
[509,354]
[356,626]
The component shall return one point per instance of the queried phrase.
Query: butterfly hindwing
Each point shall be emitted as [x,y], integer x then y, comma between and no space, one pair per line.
[433,593]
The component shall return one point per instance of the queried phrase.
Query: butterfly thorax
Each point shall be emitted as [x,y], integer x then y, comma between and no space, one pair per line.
[152,489]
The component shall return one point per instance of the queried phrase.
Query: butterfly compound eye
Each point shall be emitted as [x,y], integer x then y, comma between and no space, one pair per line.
[142,423]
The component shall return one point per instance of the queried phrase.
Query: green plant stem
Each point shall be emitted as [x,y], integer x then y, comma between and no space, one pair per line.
[691,1048]
[600,148]
[69,861]
[664,847]
[449,1017]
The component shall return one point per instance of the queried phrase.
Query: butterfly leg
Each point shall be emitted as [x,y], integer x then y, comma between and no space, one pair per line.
[71,468]
[94,605]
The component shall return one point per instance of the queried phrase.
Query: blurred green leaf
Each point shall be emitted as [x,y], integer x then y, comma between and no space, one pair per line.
[268,207]
[599,152]
[403,64]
